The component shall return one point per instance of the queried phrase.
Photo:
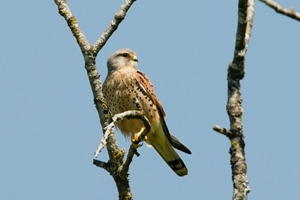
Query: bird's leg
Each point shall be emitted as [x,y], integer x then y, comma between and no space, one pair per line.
[135,139]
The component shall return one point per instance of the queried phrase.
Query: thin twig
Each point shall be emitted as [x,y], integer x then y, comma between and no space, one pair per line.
[118,18]
[102,164]
[278,8]
[123,170]
[132,151]
[222,130]
[130,114]
[103,141]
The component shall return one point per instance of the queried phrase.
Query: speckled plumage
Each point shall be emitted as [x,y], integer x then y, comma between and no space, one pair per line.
[122,85]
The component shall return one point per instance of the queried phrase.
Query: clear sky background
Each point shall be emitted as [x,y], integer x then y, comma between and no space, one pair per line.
[49,127]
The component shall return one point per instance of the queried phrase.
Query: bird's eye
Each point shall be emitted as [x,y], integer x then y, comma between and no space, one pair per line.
[125,55]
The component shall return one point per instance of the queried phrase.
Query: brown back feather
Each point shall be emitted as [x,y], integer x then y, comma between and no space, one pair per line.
[148,87]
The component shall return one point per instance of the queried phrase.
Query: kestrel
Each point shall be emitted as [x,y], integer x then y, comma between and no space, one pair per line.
[123,84]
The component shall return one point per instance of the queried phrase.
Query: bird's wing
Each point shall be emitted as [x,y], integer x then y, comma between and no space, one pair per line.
[147,87]
[163,140]
[179,145]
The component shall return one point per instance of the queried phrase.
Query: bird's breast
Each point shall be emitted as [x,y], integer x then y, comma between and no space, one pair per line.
[121,91]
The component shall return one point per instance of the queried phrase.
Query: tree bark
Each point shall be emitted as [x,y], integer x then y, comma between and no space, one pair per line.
[235,73]
[116,155]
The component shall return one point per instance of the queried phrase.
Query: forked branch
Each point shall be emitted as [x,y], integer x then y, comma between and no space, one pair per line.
[130,114]
[116,155]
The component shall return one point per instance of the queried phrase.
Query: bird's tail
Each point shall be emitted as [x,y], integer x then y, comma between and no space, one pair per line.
[167,152]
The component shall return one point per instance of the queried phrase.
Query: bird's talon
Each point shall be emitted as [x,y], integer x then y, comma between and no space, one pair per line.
[136,144]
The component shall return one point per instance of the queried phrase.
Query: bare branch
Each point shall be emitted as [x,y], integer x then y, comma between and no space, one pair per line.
[130,114]
[103,141]
[118,18]
[102,164]
[123,170]
[278,8]
[90,52]
[132,151]
[222,130]
[236,72]
[66,13]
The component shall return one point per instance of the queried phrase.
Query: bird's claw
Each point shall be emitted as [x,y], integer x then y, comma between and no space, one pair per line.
[136,142]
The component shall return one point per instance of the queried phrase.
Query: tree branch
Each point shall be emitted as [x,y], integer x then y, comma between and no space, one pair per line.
[118,18]
[278,8]
[90,52]
[102,164]
[236,72]
[222,130]
[123,170]
[130,114]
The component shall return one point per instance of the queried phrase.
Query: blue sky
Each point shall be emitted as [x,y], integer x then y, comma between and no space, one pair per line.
[49,128]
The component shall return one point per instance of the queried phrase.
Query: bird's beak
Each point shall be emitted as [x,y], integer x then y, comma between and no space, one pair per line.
[135,59]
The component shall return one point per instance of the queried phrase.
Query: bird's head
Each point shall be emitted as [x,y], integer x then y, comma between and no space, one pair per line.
[122,58]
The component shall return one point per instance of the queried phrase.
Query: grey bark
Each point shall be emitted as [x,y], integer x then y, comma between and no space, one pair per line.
[279,9]
[235,73]
[116,155]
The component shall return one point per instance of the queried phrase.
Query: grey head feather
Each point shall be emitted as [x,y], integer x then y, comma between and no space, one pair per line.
[122,58]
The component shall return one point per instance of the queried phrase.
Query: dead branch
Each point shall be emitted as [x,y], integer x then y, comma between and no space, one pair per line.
[116,155]
[278,8]
[236,72]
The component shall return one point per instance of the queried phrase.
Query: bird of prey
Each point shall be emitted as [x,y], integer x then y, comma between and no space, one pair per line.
[123,84]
